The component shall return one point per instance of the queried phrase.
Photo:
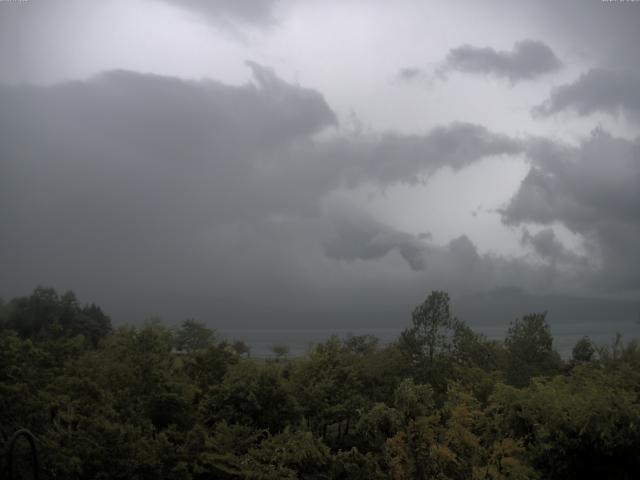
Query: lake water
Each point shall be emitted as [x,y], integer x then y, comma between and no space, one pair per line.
[301,340]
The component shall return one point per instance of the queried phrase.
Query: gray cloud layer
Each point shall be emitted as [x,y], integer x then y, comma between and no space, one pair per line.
[392,158]
[592,189]
[200,198]
[598,90]
[456,265]
[546,244]
[199,192]
[253,12]
[150,195]
[358,236]
[528,59]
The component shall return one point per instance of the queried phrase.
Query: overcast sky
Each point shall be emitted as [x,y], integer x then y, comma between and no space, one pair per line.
[320,163]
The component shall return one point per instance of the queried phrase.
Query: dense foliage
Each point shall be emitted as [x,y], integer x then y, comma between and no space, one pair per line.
[442,402]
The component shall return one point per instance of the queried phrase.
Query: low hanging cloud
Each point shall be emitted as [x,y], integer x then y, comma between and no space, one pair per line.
[178,149]
[547,245]
[195,194]
[205,151]
[360,237]
[593,190]
[455,265]
[356,236]
[175,189]
[598,90]
[528,60]
[390,158]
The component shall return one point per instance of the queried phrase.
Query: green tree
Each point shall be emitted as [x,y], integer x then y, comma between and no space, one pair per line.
[355,465]
[4,314]
[280,351]
[143,377]
[530,350]
[428,344]
[250,395]
[193,335]
[505,460]
[579,426]
[419,451]
[47,315]
[428,338]
[328,387]
[362,344]
[413,400]
[241,348]
[127,405]
[207,367]
[471,349]
[376,425]
[583,350]
[292,452]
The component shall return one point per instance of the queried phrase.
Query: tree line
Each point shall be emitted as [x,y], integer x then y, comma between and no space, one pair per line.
[441,402]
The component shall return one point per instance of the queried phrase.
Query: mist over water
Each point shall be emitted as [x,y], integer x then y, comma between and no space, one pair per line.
[301,341]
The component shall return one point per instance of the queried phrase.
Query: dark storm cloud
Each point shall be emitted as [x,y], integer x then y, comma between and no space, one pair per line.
[358,236]
[547,245]
[461,268]
[146,189]
[594,190]
[196,198]
[598,179]
[393,158]
[254,11]
[177,149]
[127,179]
[604,33]
[598,90]
[204,152]
[528,59]
[456,265]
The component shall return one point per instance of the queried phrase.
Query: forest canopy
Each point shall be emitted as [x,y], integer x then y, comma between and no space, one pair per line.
[440,402]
